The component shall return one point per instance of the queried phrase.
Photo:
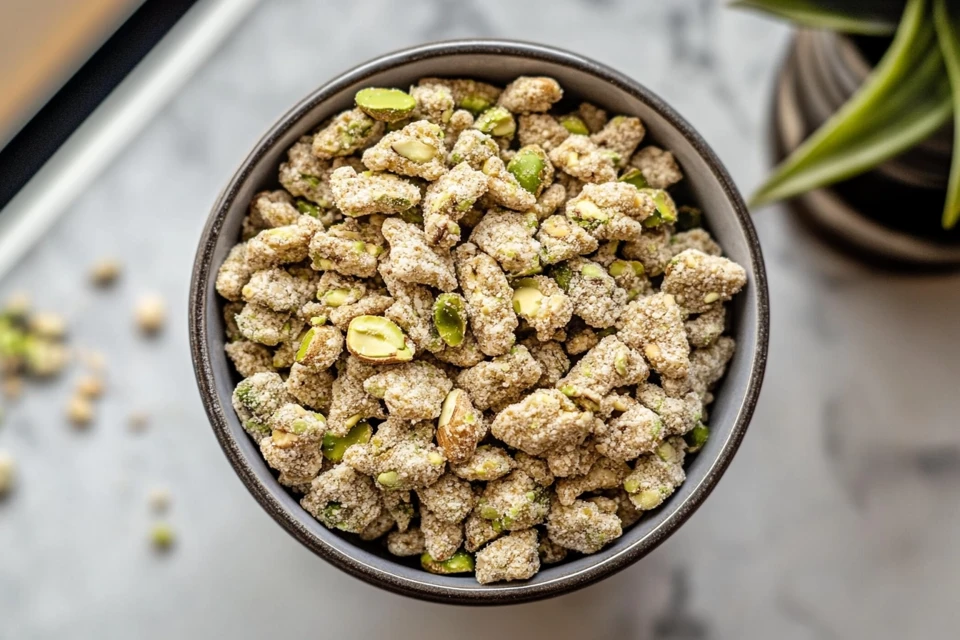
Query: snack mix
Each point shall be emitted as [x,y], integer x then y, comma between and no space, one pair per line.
[473,325]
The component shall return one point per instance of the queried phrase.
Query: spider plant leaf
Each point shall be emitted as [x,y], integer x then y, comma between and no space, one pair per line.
[947,23]
[873,18]
[905,99]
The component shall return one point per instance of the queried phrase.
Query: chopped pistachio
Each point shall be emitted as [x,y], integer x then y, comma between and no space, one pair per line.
[334,447]
[688,218]
[575,125]
[377,340]
[497,122]
[460,562]
[530,167]
[105,272]
[527,298]
[697,437]
[635,177]
[388,105]
[90,386]
[162,536]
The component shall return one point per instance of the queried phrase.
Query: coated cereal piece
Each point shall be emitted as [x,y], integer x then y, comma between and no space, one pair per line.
[593,116]
[695,239]
[459,121]
[652,250]
[631,277]
[530,94]
[549,201]
[655,325]
[581,340]
[335,290]
[279,290]
[293,448]
[378,528]
[256,399]
[469,94]
[447,199]
[270,209]
[609,211]
[466,355]
[707,366]
[514,557]
[542,421]
[700,282]
[604,474]
[507,237]
[399,506]
[265,326]
[350,403]
[536,468]
[411,391]
[400,456]
[230,329]
[311,388]
[347,133]
[449,499]
[371,192]
[414,261]
[596,297]
[659,168]
[440,539]
[620,135]
[473,147]
[628,513]
[541,129]
[607,366]
[515,502]
[303,174]
[657,475]
[478,532]
[636,431]
[343,499]
[572,460]
[249,358]
[552,359]
[486,464]
[406,543]
[503,187]
[705,328]
[581,158]
[416,150]
[281,245]
[489,299]
[550,552]
[679,415]
[372,304]
[412,311]
[320,347]
[434,103]
[347,249]
[233,273]
[582,526]
[606,253]
[562,239]
[500,378]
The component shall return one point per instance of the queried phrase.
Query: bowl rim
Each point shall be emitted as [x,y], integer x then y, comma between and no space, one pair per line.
[378,576]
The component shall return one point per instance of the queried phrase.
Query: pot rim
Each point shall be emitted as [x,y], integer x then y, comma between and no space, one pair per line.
[498,594]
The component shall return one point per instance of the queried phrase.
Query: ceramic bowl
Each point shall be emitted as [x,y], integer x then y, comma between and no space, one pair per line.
[707,184]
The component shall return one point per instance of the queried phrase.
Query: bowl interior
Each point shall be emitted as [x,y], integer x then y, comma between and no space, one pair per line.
[706,185]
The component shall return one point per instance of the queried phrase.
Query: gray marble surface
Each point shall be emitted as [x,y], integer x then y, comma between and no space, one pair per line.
[838,519]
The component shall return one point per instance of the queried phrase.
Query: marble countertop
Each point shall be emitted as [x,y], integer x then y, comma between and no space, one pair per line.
[838,519]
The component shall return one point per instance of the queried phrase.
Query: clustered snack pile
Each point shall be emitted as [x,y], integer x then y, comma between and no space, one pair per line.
[475,326]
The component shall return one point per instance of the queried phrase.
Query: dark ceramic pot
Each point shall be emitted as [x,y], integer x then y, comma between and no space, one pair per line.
[707,184]
[889,216]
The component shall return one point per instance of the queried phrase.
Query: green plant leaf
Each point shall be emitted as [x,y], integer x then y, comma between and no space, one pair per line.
[870,17]
[947,23]
[905,99]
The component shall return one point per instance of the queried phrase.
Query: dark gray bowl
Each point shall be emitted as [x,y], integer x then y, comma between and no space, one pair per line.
[706,184]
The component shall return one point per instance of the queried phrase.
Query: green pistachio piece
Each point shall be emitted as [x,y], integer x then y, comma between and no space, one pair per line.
[529,167]
[496,121]
[162,536]
[388,479]
[450,318]
[334,447]
[620,267]
[697,437]
[305,345]
[377,340]
[415,150]
[688,218]
[308,208]
[666,209]
[666,452]
[527,298]
[575,125]
[588,215]
[336,297]
[620,364]
[650,499]
[635,177]
[389,105]
[475,104]
[460,562]
[562,275]
[412,215]
[591,271]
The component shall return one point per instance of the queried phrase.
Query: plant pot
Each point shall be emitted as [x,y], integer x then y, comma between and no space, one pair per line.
[889,216]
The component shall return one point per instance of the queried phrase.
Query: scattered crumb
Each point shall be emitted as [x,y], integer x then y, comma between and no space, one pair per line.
[47,324]
[162,536]
[150,313]
[105,272]
[159,499]
[90,386]
[80,411]
[12,387]
[8,472]
[137,421]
